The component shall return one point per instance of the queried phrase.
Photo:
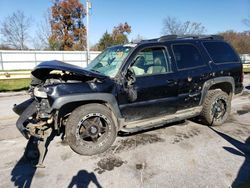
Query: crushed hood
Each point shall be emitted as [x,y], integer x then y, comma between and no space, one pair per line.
[44,68]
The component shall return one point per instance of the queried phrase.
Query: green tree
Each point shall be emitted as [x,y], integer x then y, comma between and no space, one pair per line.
[118,36]
[120,33]
[68,30]
[105,41]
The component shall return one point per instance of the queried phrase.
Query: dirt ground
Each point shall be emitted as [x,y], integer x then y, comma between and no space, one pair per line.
[185,154]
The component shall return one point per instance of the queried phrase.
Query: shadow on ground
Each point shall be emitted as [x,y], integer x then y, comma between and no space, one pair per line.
[243,150]
[83,179]
[23,172]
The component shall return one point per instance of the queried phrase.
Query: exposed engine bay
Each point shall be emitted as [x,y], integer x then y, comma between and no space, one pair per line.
[50,80]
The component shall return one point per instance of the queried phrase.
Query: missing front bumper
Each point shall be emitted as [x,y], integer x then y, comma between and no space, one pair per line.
[25,110]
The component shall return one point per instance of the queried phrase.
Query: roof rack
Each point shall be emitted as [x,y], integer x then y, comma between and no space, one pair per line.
[149,40]
[172,37]
[167,37]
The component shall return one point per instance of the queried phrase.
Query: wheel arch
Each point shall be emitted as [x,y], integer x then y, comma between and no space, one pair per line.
[225,83]
[68,103]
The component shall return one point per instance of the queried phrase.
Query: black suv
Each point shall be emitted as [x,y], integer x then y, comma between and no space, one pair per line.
[130,88]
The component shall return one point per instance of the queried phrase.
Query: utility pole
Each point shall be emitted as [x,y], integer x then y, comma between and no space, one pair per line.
[88,6]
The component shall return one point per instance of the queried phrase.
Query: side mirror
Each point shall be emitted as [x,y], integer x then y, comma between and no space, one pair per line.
[130,80]
[130,76]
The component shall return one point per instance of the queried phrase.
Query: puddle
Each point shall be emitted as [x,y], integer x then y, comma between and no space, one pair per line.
[108,164]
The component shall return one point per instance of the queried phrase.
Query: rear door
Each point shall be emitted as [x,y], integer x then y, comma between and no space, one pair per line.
[193,71]
[156,85]
[225,61]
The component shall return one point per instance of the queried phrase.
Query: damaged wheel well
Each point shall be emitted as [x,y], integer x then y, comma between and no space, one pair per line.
[224,86]
[69,107]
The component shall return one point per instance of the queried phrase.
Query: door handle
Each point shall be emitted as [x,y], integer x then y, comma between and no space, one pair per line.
[171,82]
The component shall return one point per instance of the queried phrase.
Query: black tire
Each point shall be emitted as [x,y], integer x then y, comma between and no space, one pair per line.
[87,135]
[216,108]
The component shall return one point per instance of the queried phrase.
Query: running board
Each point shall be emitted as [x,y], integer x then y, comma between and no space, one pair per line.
[140,125]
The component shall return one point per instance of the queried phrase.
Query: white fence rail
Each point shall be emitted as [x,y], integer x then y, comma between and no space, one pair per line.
[20,60]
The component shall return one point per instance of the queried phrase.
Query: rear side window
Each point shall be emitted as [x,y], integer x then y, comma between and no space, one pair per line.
[187,56]
[221,52]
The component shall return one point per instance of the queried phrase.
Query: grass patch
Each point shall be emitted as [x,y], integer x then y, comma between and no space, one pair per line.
[16,70]
[14,84]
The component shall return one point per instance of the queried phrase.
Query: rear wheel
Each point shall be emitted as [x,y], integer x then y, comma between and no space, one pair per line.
[90,129]
[216,107]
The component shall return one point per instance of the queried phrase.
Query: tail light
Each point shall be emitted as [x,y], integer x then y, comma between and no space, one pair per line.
[242,78]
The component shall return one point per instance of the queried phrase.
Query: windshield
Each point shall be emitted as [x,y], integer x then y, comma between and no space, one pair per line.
[109,61]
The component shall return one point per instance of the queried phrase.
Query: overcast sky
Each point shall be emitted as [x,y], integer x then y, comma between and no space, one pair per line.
[145,16]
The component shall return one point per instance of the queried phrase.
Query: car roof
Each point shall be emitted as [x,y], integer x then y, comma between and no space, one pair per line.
[175,38]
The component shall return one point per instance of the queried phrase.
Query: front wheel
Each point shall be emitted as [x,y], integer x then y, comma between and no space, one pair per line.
[91,129]
[216,107]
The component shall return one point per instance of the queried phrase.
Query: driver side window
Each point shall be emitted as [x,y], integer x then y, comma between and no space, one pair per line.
[151,61]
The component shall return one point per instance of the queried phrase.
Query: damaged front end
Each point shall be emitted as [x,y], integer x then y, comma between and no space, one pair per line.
[50,81]
[36,123]
[34,116]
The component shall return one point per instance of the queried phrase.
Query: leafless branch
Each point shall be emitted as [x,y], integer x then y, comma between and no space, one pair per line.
[15,30]
[246,21]
[43,32]
[173,26]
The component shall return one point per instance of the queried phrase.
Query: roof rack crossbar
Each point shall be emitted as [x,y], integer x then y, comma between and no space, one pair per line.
[167,37]
[172,37]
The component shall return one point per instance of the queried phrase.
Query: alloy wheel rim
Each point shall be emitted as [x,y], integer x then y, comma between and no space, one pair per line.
[92,128]
[219,108]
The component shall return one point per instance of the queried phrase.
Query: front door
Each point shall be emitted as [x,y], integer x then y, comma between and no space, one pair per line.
[156,85]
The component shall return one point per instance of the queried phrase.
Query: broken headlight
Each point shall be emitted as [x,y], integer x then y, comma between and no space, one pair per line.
[40,92]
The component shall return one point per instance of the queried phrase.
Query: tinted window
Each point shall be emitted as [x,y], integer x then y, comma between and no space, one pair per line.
[220,52]
[151,61]
[187,56]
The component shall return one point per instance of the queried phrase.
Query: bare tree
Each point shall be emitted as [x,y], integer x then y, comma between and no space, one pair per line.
[246,21]
[15,30]
[137,39]
[43,32]
[173,26]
